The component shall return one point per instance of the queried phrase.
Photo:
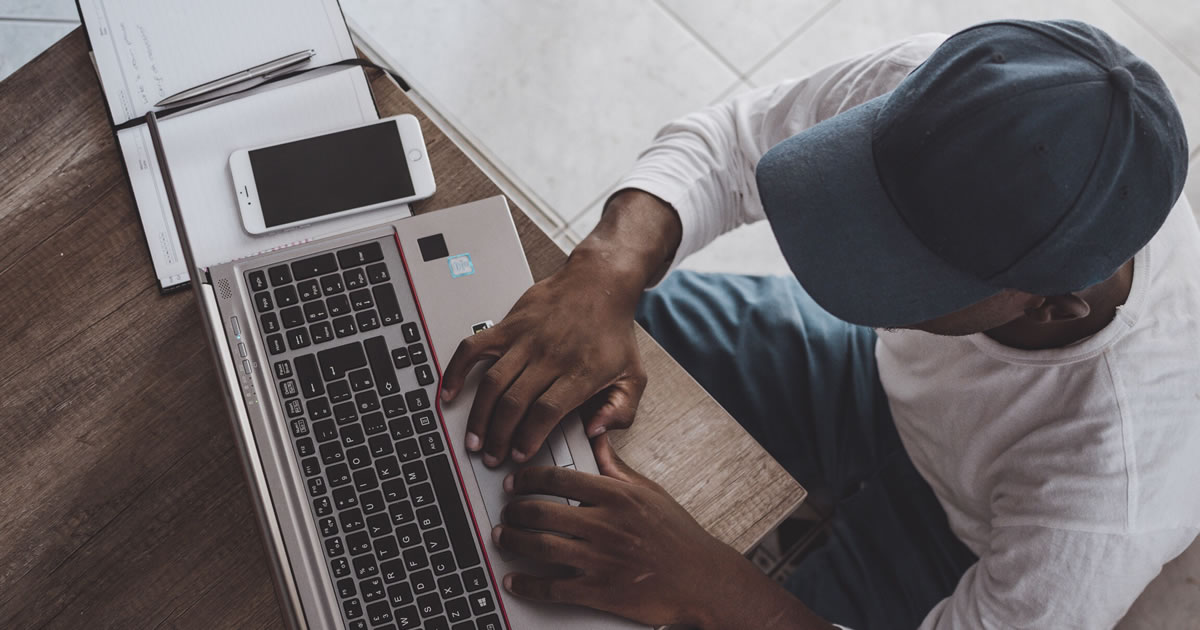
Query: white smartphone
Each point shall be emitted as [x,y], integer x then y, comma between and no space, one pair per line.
[331,174]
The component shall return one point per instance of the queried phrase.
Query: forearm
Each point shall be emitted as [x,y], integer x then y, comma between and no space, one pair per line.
[633,245]
[754,600]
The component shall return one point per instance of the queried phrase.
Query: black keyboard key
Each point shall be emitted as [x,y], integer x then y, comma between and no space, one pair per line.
[421,494]
[365,480]
[358,457]
[399,428]
[355,279]
[270,323]
[381,366]
[352,520]
[408,618]
[338,304]
[401,513]
[320,332]
[386,548]
[331,453]
[372,590]
[408,535]
[428,517]
[315,312]
[436,541]
[341,568]
[345,412]
[339,391]
[380,445]
[414,472]
[408,450]
[275,343]
[366,402]
[416,352]
[411,333]
[360,380]
[292,316]
[344,498]
[346,589]
[305,447]
[316,487]
[294,409]
[388,305]
[352,435]
[313,267]
[309,376]
[374,423]
[387,467]
[394,490]
[394,406]
[299,425]
[438,623]
[482,603]
[358,543]
[392,572]
[424,375]
[361,299]
[298,338]
[263,302]
[365,567]
[442,563]
[333,547]
[424,421]
[379,525]
[288,388]
[338,474]
[310,466]
[322,506]
[328,526]
[457,610]
[286,296]
[417,400]
[344,326]
[378,273]
[308,290]
[400,595]
[279,275]
[257,280]
[475,579]
[400,358]
[430,443]
[462,537]
[367,320]
[332,284]
[429,605]
[283,369]
[490,622]
[422,582]
[352,608]
[360,255]
[318,409]
[325,431]
[337,361]
[450,586]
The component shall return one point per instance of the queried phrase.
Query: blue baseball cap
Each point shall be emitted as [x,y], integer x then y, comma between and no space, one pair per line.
[1037,156]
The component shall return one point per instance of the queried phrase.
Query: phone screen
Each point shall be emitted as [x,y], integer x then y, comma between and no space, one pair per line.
[340,171]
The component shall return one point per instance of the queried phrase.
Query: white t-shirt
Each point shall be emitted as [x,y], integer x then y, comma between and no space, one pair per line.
[1073,473]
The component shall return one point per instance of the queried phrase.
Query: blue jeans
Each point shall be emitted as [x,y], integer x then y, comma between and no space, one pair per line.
[805,385]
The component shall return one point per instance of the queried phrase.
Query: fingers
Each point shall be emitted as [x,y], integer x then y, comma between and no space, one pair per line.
[545,413]
[494,383]
[469,352]
[541,589]
[561,482]
[510,408]
[541,546]
[611,465]
[549,516]
[617,408]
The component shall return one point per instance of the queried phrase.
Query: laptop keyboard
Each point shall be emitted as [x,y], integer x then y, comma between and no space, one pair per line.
[357,386]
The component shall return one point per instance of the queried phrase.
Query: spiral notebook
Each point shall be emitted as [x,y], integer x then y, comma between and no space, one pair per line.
[147,50]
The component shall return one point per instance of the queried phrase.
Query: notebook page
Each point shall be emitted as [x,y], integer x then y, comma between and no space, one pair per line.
[198,146]
[147,50]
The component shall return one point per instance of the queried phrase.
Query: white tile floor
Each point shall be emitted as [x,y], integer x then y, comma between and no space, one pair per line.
[560,95]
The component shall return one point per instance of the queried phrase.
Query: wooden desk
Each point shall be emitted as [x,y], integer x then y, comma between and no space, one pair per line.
[122,502]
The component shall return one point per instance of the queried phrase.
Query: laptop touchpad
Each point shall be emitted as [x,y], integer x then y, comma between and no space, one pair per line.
[491,480]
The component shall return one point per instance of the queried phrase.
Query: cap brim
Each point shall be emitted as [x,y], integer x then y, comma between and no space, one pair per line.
[842,236]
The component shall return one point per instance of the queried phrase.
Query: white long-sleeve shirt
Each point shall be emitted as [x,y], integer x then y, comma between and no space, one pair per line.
[1072,473]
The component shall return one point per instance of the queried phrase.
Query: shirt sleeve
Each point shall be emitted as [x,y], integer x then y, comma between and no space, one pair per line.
[1040,577]
[703,164]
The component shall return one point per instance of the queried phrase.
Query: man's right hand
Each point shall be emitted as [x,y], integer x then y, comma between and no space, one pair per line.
[569,341]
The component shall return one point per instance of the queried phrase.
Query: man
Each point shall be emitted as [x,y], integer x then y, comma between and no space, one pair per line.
[1016,447]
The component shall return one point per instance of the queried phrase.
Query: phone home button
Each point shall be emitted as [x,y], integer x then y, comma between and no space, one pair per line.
[414,155]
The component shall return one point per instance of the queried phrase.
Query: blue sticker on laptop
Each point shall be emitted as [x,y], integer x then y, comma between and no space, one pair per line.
[461,265]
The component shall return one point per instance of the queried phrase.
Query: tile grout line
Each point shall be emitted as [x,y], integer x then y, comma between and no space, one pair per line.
[17,19]
[1154,32]
[791,38]
[703,41]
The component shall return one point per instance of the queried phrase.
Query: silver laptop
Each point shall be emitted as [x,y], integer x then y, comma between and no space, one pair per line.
[373,514]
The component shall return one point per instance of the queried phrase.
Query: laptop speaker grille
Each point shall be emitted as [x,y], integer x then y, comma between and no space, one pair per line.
[223,288]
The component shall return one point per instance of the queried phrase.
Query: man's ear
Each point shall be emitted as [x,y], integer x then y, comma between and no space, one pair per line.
[1058,308]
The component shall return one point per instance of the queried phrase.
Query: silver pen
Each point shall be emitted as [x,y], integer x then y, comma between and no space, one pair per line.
[237,77]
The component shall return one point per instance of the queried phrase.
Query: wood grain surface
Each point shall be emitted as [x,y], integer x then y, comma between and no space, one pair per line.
[122,502]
